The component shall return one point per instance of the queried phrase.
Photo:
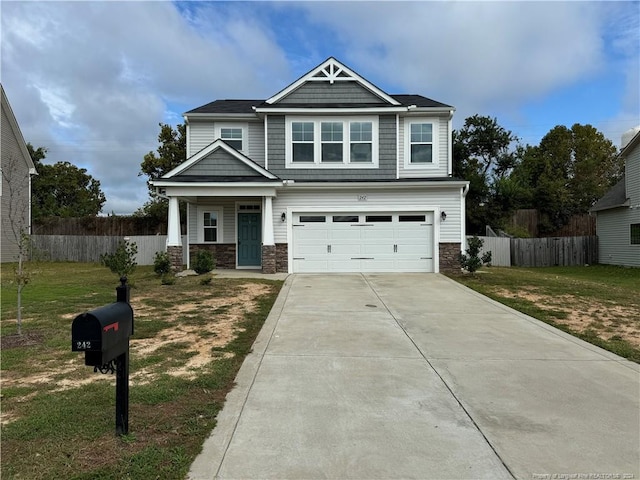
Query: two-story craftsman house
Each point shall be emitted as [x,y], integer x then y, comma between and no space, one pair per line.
[331,174]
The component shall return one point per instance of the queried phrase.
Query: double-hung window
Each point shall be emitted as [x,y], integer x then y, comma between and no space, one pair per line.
[302,139]
[234,135]
[361,146]
[209,224]
[420,143]
[332,142]
[331,138]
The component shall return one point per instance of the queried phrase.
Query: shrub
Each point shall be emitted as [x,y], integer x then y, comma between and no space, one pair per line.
[203,262]
[161,263]
[471,261]
[122,262]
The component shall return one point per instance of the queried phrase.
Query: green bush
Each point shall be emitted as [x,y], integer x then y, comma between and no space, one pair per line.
[123,261]
[161,263]
[471,261]
[203,262]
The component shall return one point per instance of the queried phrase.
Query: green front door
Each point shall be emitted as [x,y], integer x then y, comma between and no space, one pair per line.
[249,240]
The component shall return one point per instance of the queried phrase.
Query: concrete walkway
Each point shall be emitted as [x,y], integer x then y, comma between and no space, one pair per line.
[415,376]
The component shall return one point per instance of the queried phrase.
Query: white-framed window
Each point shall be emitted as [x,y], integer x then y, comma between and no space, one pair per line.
[234,134]
[302,139]
[331,142]
[420,143]
[209,224]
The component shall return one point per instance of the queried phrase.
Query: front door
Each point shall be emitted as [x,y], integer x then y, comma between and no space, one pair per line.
[249,239]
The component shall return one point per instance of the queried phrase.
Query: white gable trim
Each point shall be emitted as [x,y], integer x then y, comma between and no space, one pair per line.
[331,70]
[219,144]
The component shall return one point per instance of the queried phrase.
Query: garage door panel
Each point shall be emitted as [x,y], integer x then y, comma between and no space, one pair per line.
[376,246]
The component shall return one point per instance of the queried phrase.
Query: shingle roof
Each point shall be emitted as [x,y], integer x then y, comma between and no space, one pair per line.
[616,197]
[246,106]
[228,106]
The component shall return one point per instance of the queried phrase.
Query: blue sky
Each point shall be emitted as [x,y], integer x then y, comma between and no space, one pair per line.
[90,81]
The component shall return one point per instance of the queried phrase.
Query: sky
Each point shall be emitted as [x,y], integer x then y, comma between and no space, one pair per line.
[92,81]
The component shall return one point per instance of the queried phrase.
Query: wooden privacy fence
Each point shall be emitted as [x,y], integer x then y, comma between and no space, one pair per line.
[88,248]
[554,251]
[541,252]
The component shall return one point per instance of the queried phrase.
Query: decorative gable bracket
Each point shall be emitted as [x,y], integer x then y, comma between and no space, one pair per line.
[331,71]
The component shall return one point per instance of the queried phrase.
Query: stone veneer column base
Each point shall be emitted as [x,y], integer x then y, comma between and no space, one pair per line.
[282,258]
[268,259]
[175,257]
[450,257]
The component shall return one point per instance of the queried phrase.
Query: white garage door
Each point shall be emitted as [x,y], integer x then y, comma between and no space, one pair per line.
[363,242]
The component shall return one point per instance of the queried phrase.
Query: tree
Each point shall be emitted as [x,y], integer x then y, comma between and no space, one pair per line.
[63,190]
[15,181]
[171,153]
[567,173]
[484,154]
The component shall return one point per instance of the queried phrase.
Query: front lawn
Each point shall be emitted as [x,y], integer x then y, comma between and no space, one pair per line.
[599,304]
[58,416]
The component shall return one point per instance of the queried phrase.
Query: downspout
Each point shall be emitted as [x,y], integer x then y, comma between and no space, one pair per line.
[463,220]
[32,172]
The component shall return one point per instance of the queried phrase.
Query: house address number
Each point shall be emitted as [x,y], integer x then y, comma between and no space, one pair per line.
[362,198]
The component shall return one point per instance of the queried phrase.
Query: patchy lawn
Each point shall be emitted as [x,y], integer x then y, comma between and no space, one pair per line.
[58,416]
[600,304]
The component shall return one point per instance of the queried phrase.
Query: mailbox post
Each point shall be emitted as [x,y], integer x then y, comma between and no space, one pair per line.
[103,335]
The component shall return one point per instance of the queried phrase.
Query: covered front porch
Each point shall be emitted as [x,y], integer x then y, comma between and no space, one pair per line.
[236,227]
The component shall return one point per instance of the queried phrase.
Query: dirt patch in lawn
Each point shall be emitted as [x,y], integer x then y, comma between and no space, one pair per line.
[201,326]
[607,320]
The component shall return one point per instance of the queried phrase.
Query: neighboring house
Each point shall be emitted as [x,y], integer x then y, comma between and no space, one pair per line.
[331,174]
[618,211]
[15,190]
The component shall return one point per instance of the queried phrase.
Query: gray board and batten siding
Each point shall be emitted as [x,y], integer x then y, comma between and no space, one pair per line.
[387,155]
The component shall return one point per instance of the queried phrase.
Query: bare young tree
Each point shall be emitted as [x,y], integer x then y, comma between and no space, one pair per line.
[16,221]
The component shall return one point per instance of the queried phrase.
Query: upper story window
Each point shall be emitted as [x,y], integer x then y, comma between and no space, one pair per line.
[332,142]
[234,135]
[420,143]
[302,141]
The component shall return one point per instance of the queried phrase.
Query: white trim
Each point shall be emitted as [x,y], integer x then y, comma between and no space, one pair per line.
[435,151]
[291,210]
[332,68]
[375,185]
[212,147]
[346,142]
[449,147]
[266,143]
[285,109]
[201,210]
[217,190]
[397,146]
[188,236]
[188,134]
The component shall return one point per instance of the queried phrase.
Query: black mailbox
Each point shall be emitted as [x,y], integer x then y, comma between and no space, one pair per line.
[103,333]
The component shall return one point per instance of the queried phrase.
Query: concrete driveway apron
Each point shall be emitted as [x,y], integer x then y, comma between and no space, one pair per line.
[384,376]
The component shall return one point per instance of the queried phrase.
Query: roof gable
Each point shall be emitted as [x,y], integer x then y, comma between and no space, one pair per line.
[219,158]
[330,72]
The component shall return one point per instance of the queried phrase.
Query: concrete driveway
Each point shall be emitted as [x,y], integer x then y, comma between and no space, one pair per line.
[384,376]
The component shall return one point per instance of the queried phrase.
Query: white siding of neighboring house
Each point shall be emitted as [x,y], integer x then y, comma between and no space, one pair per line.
[448,199]
[14,200]
[442,132]
[613,226]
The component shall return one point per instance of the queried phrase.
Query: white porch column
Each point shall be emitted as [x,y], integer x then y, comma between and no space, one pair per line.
[173,227]
[267,216]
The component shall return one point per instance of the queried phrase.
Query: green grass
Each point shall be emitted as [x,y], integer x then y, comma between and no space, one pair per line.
[71,433]
[565,289]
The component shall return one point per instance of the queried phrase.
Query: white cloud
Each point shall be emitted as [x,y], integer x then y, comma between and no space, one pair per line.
[91,80]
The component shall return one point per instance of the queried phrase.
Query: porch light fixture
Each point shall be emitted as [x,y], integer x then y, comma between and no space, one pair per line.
[443,216]
[283,217]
